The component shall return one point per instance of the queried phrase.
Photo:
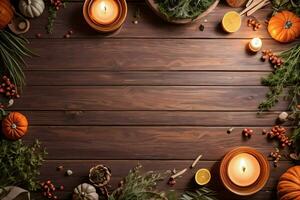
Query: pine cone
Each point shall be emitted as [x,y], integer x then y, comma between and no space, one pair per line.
[99,175]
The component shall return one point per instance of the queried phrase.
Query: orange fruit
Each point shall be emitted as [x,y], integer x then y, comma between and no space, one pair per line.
[202,176]
[231,21]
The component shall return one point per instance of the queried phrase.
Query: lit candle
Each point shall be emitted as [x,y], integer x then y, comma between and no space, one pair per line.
[104,11]
[243,169]
[255,44]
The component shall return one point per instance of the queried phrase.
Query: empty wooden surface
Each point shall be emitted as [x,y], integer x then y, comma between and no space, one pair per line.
[153,93]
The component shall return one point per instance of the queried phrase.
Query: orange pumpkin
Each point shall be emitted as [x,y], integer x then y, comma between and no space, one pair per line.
[289,184]
[6,13]
[14,126]
[284,26]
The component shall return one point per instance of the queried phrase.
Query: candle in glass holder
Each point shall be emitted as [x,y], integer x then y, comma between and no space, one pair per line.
[243,169]
[104,12]
[255,44]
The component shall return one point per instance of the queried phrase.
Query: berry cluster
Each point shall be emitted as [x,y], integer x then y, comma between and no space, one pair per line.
[274,59]
[68,34]
[8,89]
[48,189]
[279,133]
[56,4]
[254,24]
[247,132]
[275,155]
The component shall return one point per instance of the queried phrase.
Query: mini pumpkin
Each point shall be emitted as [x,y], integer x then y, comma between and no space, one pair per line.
[284,26]
[31,8]
[6,13]
[85,191]
[14,126]
[289,184]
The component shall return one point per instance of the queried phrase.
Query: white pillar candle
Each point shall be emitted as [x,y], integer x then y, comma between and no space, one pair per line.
[255,44]
[243,169]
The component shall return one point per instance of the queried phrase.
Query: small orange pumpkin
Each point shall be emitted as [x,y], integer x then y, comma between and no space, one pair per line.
[289,184]
[6,13]
[284,26]
[14,126]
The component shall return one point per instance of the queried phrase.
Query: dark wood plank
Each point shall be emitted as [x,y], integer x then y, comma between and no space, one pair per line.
[148,118]
[143,98]
[102,78]
[121,168]
[143,142]
[147,54]
[149,26]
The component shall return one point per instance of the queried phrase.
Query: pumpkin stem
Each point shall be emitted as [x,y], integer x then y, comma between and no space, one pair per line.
[3,112]
[288,24]
[28,2]
[14,126]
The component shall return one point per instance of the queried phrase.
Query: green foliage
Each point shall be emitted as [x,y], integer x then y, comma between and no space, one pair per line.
[292,5]
[139,186]
[142,186]
[52,14]
[200,194]
[12,50]
[20,163]
[183,9]
[286,76]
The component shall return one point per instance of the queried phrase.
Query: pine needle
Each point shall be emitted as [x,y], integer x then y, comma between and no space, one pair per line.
[12,50]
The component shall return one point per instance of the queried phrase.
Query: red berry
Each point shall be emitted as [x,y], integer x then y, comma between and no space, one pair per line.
[61,187]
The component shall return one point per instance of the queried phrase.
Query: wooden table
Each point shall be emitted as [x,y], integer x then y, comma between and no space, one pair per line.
[153,93]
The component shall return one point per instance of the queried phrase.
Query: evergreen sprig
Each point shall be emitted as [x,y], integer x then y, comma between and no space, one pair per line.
[52,14]
[183,9]
[142,186]
[200,194]
[287,76]
[139,186]
[13,49]
[20,163]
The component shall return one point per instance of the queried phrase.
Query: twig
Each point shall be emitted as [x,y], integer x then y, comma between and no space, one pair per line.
[196,161]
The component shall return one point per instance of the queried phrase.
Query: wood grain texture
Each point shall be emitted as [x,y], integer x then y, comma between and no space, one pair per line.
[143,98]
[140,78]
[152,92]
[149,26]
[148,54]
[148,118]
[120,169]
[143,142]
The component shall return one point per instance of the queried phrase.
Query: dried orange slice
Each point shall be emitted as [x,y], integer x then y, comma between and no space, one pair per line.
[231,21]
[202,176]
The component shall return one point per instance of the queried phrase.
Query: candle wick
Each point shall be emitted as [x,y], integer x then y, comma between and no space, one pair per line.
[244,169]
[104,8]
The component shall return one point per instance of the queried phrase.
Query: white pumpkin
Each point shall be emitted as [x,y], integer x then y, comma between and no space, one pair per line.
[31,8]
[85,191]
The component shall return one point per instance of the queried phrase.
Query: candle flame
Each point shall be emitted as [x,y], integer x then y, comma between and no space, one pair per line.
[243,165]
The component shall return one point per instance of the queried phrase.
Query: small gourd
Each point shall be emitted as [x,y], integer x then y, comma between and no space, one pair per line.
[85,191]
[14,126]
[289,184]
[284,26]
[31,8]
[6,13]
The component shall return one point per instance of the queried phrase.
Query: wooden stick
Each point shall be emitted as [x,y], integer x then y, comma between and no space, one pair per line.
[196,161]
[249,3]
[179,173]
[259,6]
[253,4]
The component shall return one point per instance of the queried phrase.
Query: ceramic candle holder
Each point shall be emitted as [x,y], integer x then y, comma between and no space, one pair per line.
[258,184]
[115,25]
